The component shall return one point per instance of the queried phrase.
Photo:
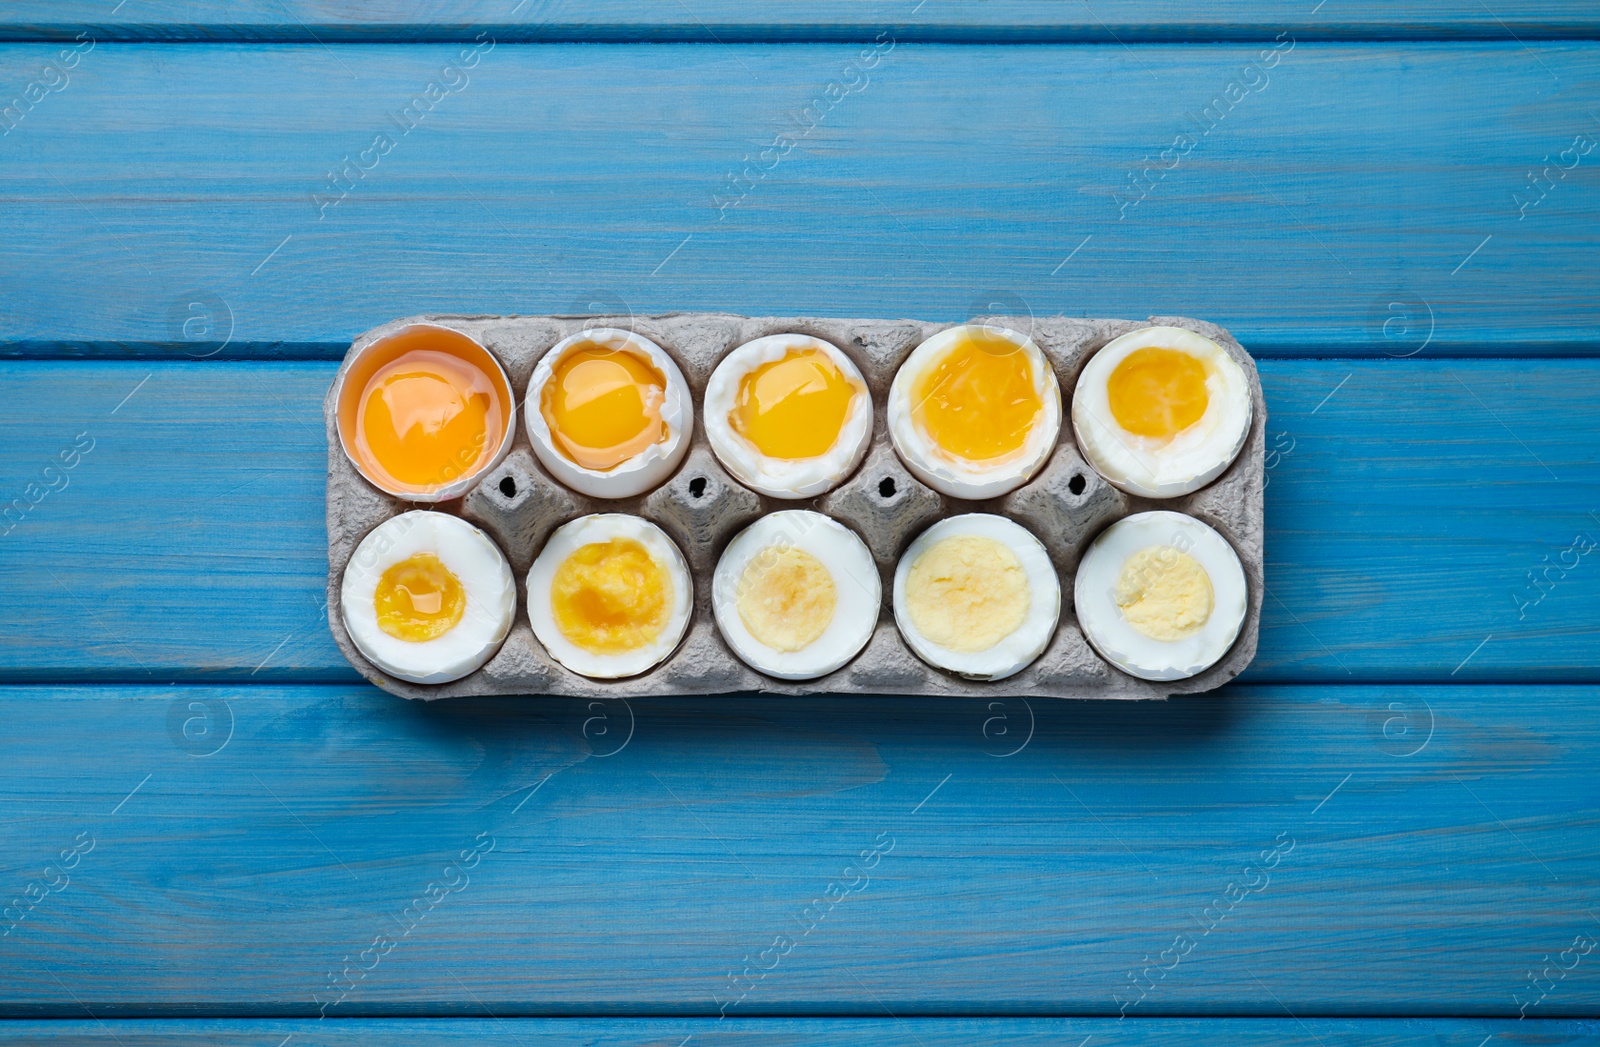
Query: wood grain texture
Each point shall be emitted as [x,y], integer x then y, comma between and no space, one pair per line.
[1364,199]
[246,881]
[1409,502]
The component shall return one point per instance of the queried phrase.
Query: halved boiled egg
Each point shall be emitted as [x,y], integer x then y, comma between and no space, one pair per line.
[796,594]
[608,413]
[1160,595]
[1161,412]
[609,596]
[977,595]
[789,415]
[427,597]
[975,411]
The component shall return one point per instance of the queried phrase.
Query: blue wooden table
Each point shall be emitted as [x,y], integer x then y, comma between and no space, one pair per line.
[1387,832]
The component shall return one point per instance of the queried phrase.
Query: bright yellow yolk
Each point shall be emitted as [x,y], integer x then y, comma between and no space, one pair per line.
[786,598]
[428,418]
[1158,392]
[419,599]
[793,407]
[610,597]
[1164,593]
[603,406]
[967,593]
[979,401]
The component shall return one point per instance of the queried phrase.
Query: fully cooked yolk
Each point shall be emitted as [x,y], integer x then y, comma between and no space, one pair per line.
[610,597]
[419,599]
[428,418]
[979,401]
[967,593]
[786,598]
[1164,593]
[603,406]
[1158,392]
[793,407]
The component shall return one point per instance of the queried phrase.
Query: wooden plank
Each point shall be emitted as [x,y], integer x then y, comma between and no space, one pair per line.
[1363,199]
[724,21]
[1409,503]
[1379,868]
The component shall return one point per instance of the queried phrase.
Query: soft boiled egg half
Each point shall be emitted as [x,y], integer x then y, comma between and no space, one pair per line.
[1161,412]
[427,597]
[975,411]
[977,595]
[608,413]
[609,596]
[1160,595]
[789,415]
[796,594]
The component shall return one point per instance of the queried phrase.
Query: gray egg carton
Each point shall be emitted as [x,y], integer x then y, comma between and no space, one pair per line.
[518,504]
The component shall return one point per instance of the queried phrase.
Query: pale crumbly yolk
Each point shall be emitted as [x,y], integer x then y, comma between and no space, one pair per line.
[1158,392]
[428,418]
[603,406]
[786,597]
[1164,593]
[611,597]
[419,599]
[793,407]
[967,593]
[979,401]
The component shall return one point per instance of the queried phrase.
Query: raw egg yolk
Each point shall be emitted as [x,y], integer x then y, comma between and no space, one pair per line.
[786,598]
[1164,593]
[427,419]
[1158,392]
[966,593]
[603,406]
[794,407]
[610,597]
[979,401]
[419,599]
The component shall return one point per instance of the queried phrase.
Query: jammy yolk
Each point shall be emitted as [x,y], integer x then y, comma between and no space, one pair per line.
[610,597]
[979,401]
[419,599]
[603,406]
[426,419]
[1158,392]
[794,407]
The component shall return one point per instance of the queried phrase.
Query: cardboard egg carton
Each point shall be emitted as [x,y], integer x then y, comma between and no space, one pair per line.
[702,508]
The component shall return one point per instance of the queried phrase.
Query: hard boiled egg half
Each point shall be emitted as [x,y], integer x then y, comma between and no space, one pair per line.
[609,596]
[977,595]
[1161,412]
[796,594]
[1160,595]
[608,413]
[789,415]
[427,597]
[975,411]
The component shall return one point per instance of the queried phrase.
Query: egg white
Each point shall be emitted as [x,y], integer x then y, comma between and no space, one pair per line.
[643,471]
[604,527]
[1014,652]
[1150,467]
[480,566]
[784,477]
[855,580]
[955,477]
[1102,621]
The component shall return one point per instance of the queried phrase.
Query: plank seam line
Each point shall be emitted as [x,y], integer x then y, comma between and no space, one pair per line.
[741,36]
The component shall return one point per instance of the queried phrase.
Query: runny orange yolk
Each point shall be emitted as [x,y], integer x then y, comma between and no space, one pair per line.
[1158,392]
[419,599]
[603,406]
[426,419]
[793,407]
[979,402]
[610,597]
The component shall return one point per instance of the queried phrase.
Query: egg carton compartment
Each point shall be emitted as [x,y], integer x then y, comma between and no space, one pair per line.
[1066,505]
